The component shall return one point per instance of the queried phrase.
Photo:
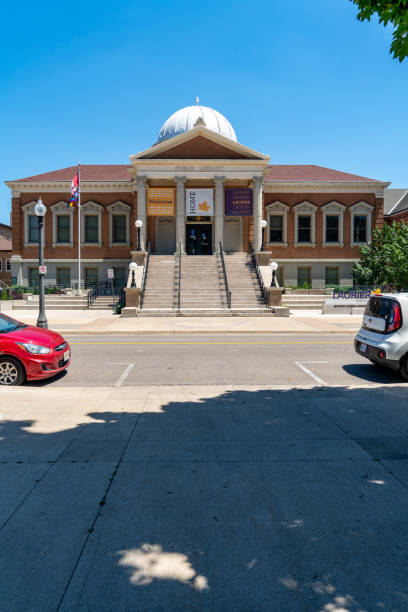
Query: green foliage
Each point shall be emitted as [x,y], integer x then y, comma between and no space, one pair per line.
[384,262]
[389,11]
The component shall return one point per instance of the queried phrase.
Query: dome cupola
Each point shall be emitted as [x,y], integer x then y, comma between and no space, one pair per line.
[190,117]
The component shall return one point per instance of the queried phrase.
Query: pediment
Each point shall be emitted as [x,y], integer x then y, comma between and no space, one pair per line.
[199,143]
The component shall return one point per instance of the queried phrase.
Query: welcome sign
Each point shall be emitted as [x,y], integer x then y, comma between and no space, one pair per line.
[238,202]
[160,201]
[199,202]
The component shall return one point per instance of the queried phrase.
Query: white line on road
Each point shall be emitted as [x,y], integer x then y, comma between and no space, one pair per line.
[305,369]
[124,374]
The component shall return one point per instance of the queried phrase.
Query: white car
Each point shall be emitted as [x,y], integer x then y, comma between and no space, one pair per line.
[383,337]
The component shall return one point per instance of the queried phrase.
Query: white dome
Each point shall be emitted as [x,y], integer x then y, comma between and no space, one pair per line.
[185,119]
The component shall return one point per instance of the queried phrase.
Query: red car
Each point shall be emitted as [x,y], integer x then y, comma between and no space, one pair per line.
[30,353]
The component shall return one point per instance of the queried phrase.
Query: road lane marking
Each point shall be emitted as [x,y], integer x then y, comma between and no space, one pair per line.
[124,375]
[215,343]
[307,371]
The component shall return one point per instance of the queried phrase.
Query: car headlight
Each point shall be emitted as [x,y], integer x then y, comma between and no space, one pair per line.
[34,349]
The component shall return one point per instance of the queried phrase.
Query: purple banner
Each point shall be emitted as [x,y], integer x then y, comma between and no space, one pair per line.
[238,202]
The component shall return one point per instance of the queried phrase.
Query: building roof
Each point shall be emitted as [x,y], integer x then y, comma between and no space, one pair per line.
[5,237]
[311,173]
[395,201]
[186,119]
[89,172]
[278,173]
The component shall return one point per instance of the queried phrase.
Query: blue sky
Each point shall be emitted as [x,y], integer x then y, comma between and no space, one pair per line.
[301,80]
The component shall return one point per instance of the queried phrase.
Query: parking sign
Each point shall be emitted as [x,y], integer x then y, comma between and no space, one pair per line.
[42,270]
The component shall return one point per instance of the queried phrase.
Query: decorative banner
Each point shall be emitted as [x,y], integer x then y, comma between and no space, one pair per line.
[238,202]
[160,201]
[199,202]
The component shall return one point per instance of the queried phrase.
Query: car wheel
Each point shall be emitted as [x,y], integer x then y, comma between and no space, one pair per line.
[11,371]
[404,368]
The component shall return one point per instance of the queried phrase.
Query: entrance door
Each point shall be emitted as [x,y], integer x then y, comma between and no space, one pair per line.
[232,234]
[199,239]
[165,235]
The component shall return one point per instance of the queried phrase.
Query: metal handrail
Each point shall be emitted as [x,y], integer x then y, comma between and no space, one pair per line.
[258,272]
[227,289]
[99,289]
[179,278]
[143,285]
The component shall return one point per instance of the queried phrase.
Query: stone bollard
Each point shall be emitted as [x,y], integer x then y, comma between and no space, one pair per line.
[274,296]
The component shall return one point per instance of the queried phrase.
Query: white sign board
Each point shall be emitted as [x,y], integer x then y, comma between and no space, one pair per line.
[42,270]
[199,202]
[111,273]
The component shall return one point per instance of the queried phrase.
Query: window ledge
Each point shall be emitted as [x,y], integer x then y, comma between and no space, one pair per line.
[358,243]
[303,244]
[119,244]
[330,244]
[62,244]
[91,244]
[31,244]
[272,244]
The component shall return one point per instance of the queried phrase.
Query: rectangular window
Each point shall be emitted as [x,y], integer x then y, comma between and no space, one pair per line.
[64,277]
[120,277]
[8,265]
[119,228]
[276,228]
[63,228]
[33,234]
[91,228]
[33,277]
[304,228]
[332,277]
[332,228]
[360,228]
[303,277]
[1,265]
[91,277]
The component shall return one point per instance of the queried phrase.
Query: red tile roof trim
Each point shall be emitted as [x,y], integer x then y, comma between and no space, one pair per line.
[278,173]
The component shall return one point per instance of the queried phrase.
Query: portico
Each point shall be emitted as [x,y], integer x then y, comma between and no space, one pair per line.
[223,164]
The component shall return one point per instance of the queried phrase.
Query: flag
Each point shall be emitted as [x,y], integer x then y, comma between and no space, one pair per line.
[74,191]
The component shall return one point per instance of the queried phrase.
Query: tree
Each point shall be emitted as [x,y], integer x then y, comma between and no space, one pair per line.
[385,260]
[389,11]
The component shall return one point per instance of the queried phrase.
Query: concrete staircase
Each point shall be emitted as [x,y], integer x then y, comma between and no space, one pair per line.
[303,302]
[202,287]
[243,283]
[65,302]
[160,289]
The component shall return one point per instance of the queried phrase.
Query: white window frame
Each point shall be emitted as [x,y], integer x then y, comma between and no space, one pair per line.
[277,209]
[119,208]
[333,209]
[305,208]
[361,208]
[8,264]
[60,209]
[28,209]
[91,208]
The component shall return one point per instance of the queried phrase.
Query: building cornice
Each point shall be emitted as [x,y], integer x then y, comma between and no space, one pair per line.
[65,186]
[323,186]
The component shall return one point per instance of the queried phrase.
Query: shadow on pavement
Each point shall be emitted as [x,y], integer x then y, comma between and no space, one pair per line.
[373,373]
[208,500]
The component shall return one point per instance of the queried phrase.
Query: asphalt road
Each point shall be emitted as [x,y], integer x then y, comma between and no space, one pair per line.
[218,360]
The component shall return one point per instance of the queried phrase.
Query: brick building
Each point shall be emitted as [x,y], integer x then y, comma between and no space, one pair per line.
[195,188]
[5,253]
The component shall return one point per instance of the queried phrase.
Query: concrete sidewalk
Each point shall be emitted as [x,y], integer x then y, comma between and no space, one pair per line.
[204,498]
[102,322]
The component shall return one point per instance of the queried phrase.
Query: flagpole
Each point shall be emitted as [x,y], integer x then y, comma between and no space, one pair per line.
[79,228]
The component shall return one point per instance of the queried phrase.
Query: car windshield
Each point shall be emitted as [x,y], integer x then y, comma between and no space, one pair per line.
[7,324]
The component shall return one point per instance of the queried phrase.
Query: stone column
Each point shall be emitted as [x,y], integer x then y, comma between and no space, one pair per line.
[257,212]
[218,235]
[141,209]
[180,213]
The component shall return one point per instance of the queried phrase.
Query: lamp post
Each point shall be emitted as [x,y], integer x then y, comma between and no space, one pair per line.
[274,266]
[133,268]
[40,211]
[263,225]
[139,225]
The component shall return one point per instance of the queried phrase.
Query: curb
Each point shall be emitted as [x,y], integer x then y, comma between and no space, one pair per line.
[207,333]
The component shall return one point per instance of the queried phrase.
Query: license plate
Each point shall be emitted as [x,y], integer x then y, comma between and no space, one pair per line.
[66,355]
[363,347]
